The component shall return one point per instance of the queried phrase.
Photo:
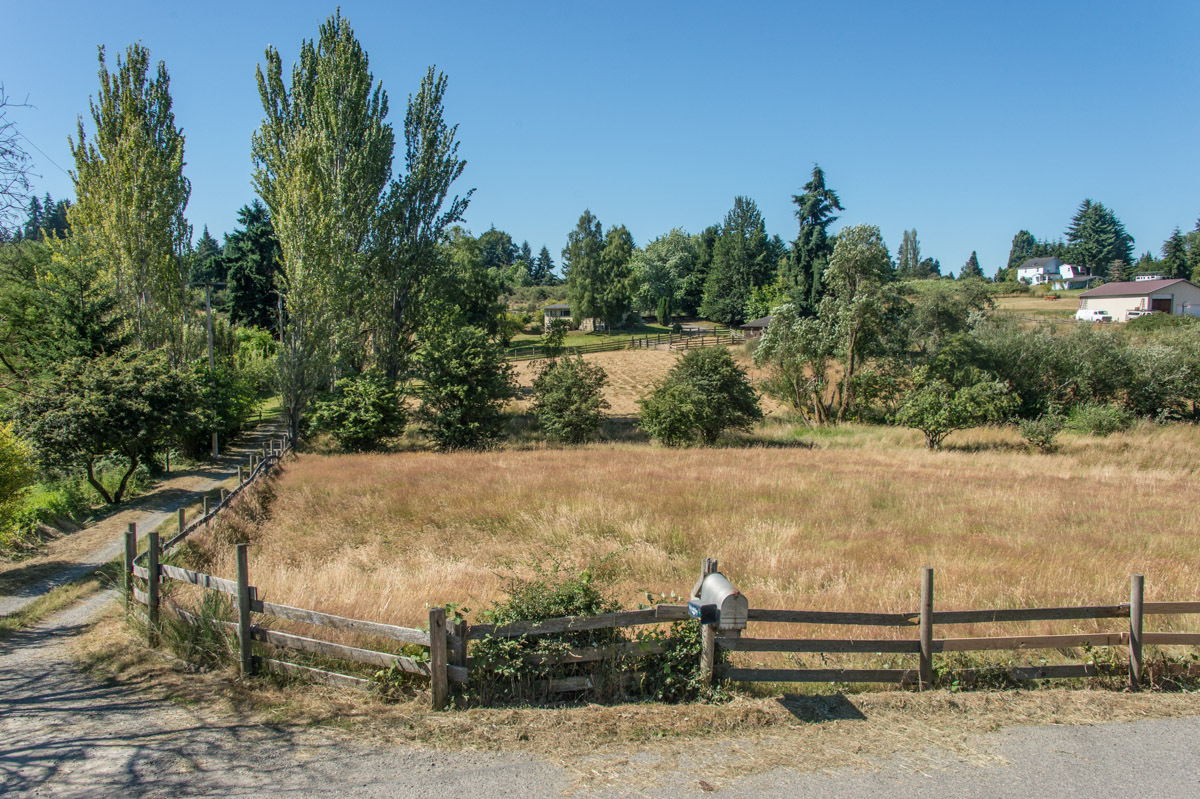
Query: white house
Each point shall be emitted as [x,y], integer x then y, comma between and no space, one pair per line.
[1052,270]
[1129,299]
[1036,271]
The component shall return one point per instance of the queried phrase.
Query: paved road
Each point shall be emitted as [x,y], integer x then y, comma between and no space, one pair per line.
[65,735]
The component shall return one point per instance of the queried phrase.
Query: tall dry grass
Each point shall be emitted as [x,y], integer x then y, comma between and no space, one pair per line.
[843,522]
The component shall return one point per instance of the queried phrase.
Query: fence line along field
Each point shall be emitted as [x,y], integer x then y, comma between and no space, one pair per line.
[831,527]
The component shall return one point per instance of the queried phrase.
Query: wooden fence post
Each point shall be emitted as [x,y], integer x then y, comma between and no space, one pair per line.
[182,519]
[130,554]
[239,474]
[708,635]
[459,627]
[152,588]
[926,665]
[1137,584]
[439,680]
[243,600]
[168,457]
[204,500]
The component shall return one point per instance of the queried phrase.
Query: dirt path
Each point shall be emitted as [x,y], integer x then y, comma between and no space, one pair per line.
[72,556]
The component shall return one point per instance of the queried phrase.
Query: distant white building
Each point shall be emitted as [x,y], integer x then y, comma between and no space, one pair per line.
[1051,270]
[1133,298]
[1149,276]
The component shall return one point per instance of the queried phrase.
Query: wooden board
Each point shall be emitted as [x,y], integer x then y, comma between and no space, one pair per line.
[566,624]
[405,634]
[671,612]
[140,571]
[1029,614]
[140,596]
[586,655]
[816,645]
[1054,672]
[1163,608]
[200,579]
[1163,639]
[834,617]
[1029,642]
[318,647]
[819,675]
[316,675]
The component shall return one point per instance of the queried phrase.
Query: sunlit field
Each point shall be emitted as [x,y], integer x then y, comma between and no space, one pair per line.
[839,519]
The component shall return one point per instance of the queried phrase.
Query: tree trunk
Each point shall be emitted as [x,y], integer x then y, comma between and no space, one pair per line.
[849,374]
[133,464]
[100,489]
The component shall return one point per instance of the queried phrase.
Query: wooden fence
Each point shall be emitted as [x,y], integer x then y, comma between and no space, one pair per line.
[447,644]
[697,337]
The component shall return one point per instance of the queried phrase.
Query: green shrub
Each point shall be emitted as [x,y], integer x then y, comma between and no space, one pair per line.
[703,395]
[554,337]
[1160,321]
[465,384]
[568,399]
[1042,431]
[507,670]
[16,473]
[937,407]
[362,411]
[1099,418]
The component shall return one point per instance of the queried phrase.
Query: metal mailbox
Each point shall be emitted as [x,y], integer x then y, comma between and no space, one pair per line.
[717,601]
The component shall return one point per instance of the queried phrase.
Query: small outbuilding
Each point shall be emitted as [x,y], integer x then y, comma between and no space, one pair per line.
[1133,298]
[755,327]
[558,310]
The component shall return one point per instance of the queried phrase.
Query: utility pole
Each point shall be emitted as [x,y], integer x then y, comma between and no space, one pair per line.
[211,365]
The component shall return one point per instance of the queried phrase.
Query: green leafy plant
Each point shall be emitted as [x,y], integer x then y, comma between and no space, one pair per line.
[1098,418]
[361,413]
[568,399]
[703,395]
[1042,431]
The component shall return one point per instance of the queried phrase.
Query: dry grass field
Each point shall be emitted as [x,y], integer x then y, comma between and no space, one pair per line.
[631,373]
[840,519]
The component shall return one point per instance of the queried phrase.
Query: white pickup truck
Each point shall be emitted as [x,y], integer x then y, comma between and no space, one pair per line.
[1092,315]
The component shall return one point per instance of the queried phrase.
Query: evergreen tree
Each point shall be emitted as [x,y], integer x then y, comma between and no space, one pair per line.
[1024,247]
[741,262]
[971,268]
[206,263]
[581,263]
[32,230]
[1175,256]
[691,292]
[1146,265]
[813,246]
[930,268]
[1096,238]
[542,272]
[497,249]
[252,257]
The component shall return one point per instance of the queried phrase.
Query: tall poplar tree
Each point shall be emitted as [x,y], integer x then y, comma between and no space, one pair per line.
[322,158]
[418,214]
[812,249]
[908,257]
[130,195]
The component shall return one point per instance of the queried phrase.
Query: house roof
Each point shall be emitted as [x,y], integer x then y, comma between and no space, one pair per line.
[755,324]
[558,306]
[1038,263]
[1130,288]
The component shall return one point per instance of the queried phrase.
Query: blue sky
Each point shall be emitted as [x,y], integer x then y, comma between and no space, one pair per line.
[967,121]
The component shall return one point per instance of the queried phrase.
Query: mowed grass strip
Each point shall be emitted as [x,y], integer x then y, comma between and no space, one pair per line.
[844,525]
